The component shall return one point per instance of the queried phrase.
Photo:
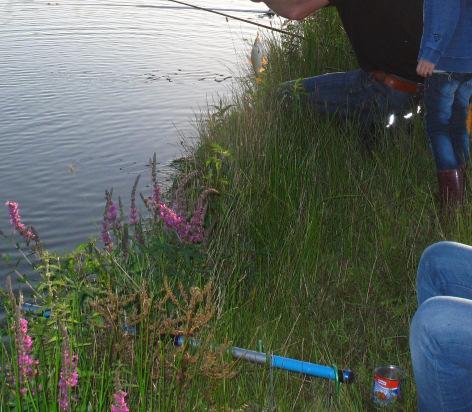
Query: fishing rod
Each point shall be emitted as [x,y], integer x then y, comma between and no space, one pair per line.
[273,361]
[238,18]
[281,362]
[267,12]
[215,11]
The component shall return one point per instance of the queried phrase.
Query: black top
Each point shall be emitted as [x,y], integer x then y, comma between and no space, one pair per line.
[385,34]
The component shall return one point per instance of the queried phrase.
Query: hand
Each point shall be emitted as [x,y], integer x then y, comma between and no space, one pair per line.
[425,68]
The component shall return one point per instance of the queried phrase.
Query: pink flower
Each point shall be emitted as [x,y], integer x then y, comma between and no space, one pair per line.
[112,213]
[174,221]
[108,216]
[133,214]
[196,233]
[119,403]
[171,219]
[106,238]
[188,232]
[156,194]
[26,364]
[69,376]
[15,220]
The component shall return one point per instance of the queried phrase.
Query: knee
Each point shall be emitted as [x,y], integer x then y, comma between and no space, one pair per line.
[440,323]
[285,92]
[430,258]
[434,250]
[425,329]
[290,92]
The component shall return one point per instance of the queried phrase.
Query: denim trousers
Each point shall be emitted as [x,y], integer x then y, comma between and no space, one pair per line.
[354,93]
[446,98]
[441,329]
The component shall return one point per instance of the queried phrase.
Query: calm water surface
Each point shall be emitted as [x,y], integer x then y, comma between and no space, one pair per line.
[90,89]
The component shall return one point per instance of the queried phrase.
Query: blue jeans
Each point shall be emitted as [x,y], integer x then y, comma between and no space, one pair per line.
[446,97]
[353,93]
[441,329]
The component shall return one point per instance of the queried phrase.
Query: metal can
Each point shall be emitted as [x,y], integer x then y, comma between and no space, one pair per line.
[386,389]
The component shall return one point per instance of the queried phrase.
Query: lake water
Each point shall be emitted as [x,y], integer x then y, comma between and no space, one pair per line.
[89,90]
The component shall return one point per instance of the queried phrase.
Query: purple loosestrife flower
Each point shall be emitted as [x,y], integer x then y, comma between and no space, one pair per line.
[119,403]
[106,238]
[69,376]
[15,220]
[134,215]
[105,233]
[112,213]
[180,201]
[173,221]
[196,232]
[26,364]
[156,200]
[156,194]
[188,232]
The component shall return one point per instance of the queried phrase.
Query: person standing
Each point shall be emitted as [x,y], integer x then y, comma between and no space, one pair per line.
[445,60]
[385,36]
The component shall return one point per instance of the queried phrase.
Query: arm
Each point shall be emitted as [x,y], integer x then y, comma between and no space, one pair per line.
[440,21]
[295,9]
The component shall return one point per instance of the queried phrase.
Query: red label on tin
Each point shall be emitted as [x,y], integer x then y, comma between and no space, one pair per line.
[387,383]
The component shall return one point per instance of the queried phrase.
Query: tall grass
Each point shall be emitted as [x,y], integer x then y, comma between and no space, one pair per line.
[319,234]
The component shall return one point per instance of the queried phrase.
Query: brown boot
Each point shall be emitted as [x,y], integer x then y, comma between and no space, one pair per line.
[451,188]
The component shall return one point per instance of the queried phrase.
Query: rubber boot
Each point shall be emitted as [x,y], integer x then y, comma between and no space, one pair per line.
[451,188]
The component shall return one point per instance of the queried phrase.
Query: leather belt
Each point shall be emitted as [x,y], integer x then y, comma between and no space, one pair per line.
[397,82]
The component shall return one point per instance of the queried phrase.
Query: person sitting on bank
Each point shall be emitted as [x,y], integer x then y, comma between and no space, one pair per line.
[441,329]
[385,36]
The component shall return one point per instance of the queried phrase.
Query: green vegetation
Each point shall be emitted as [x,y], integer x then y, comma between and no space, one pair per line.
[312,245]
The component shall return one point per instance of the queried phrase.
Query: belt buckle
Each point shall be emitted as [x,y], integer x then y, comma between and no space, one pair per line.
[390,81]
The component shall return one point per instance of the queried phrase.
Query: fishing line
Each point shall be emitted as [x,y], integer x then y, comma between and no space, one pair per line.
[238,18]
[267,12]
[192,6]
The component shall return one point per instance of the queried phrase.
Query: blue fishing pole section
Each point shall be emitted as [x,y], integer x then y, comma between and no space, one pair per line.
[273,361]
[281,362]
[37,310]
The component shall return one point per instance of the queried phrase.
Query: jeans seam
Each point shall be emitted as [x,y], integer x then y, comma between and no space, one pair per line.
[441,397]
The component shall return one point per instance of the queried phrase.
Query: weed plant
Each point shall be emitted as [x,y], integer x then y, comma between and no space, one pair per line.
[102,332]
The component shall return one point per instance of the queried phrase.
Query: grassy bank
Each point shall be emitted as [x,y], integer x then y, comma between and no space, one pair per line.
[310,251]
[319,238]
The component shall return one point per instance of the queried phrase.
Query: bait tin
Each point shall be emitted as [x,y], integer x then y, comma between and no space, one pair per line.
[386,389]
